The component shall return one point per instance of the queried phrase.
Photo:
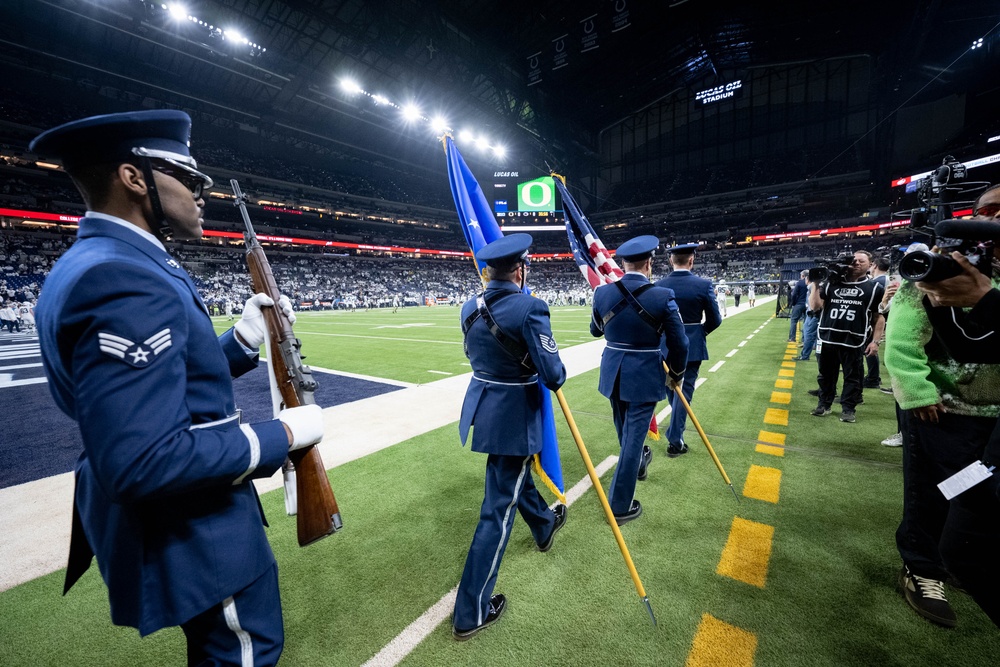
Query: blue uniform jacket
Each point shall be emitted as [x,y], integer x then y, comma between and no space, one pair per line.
[800,294]
[163,494]
[503,400]
[633,350]
[695,297]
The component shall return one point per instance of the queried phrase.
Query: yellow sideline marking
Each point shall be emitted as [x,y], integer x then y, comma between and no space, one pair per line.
[786,372]
[763,484]
[747,552]
[789,356]
[782,397]
[773,438]
[718,643]
[770,449]
[776,416]
[782,384]
[788,364]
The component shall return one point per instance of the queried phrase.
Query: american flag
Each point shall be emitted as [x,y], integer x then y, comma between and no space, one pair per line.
[592,258]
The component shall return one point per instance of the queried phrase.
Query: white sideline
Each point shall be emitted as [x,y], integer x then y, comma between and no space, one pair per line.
[411,636]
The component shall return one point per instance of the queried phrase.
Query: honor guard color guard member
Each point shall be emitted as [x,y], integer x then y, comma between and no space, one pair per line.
[696,302]
[163,486]
[509,342]
[635,317]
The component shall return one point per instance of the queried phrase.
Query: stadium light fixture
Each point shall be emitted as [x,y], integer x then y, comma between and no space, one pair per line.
[439,124]
[482,144]
[177,11]
[235,36]
[499,151]
[465,135]
[380,99]
[411,112]
[977,43]
[351,86]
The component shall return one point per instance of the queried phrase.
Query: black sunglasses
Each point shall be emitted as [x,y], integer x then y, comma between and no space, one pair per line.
[187,179]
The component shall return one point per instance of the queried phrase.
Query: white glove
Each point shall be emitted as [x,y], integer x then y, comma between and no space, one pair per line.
[251,326]
[306,424]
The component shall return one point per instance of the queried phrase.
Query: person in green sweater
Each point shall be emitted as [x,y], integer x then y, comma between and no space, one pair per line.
[949,407]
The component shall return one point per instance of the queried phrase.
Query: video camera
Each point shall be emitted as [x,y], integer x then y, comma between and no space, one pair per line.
[974,239]
[834,270]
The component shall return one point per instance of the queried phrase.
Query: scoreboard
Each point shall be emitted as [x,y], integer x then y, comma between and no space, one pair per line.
[519,201]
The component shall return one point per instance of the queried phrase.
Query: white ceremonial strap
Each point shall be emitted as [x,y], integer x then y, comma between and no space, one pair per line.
[965,479]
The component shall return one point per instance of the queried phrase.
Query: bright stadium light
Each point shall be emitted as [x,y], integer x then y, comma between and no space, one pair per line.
[235,35]
[380,99]
[439,124]
[177,11]
[411,112]
[482,144]
[465,135]
[350,86]
[499,150]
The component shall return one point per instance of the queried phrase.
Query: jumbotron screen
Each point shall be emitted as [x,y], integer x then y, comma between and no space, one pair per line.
[520,200]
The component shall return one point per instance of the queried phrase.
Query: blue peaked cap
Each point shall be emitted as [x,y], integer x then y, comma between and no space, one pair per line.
[684,248]
[505,251]
[163,134]
[638,249]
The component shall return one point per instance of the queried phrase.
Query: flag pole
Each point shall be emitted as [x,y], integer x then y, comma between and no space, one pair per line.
[604,503]
[701,432]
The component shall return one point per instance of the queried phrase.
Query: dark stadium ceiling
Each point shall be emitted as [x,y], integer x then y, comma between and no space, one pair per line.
[469,60]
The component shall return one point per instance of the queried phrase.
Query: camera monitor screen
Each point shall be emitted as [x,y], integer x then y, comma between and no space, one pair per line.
[519,200]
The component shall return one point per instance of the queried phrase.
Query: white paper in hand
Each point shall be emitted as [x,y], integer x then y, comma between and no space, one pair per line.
[964,479]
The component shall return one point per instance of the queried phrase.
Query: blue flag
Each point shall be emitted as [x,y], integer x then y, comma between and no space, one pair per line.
[480,227]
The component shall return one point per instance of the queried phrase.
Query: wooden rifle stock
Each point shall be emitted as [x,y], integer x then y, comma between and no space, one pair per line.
[317,514]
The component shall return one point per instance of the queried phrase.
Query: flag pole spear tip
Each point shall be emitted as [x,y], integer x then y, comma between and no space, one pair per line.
[649,608]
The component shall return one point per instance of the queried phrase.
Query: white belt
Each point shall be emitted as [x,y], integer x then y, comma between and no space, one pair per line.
[512,384]
[218,422]
[631,349]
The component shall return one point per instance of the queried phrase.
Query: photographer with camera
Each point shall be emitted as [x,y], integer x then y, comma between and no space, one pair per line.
[946,379]
[848,302]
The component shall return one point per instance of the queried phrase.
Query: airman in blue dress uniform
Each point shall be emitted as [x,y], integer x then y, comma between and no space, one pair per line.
[635,317]
[695,300]
[163,493]
[509,342]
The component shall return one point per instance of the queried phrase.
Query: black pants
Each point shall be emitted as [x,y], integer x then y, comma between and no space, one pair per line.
[874,377]
[833,358]
[931,454]
[970,540]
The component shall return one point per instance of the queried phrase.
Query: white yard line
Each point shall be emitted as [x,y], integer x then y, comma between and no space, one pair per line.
[411,636]
[716,366]
[11,368]
[358,376]
[4,383]
[405,340]
[731,353]
[441,372]
[741,343]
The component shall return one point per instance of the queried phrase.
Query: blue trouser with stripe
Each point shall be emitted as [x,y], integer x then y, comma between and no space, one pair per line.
[245,629]
[631,423]
[509,489]
[678,415]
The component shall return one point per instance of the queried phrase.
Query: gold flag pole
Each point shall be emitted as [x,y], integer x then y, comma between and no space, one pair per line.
[604,503]
[701,432]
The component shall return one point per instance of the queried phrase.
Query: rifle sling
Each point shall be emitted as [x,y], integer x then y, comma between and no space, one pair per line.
[515,349]
[631,300]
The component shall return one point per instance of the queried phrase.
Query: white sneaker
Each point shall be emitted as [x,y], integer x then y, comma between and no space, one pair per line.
[894,440]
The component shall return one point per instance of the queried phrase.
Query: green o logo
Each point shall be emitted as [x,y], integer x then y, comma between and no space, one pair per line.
[536,195]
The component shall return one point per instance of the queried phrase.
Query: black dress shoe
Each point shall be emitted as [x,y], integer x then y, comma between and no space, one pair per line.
[498,603]
[647,457]
[673,451]
[634,513]
[560,512]
[813,392]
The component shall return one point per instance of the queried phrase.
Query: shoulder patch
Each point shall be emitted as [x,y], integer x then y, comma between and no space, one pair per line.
[548,344]
[137,355]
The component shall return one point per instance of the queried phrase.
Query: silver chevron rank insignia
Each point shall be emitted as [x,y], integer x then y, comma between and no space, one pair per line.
[138,355]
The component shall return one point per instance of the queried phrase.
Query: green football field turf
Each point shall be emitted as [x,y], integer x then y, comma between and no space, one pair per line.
[829,592]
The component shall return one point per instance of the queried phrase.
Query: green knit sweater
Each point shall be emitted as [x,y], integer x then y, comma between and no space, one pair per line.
[919,380]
